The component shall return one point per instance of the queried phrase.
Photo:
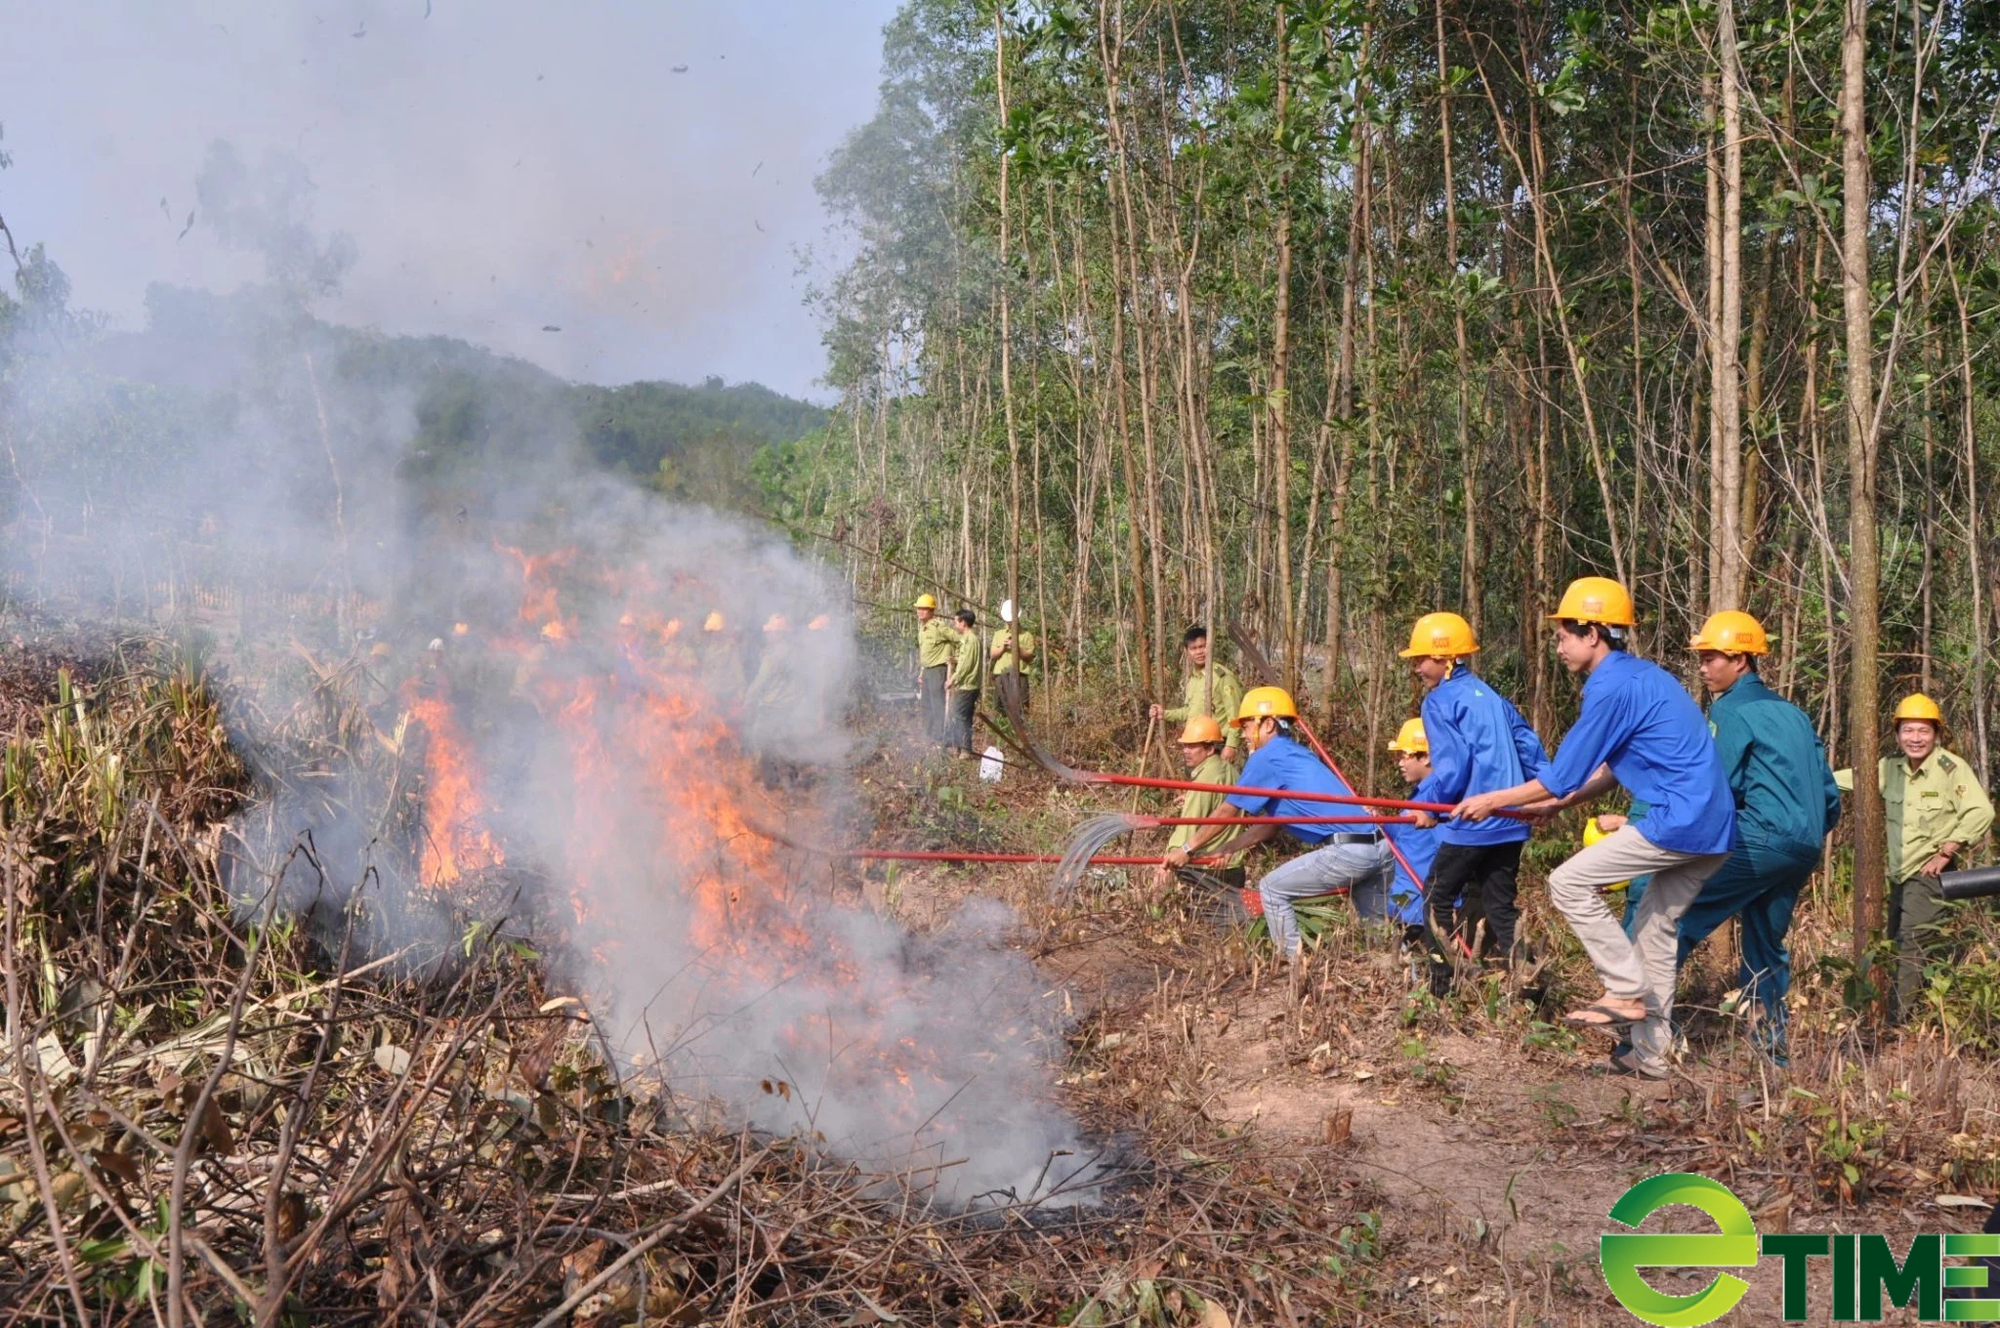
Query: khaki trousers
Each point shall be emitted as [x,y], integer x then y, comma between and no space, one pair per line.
[1640,967]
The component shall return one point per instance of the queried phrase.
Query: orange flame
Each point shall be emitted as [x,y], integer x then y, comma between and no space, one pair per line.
[455,840]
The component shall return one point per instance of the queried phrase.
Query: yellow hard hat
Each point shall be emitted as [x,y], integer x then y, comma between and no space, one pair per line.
[1732,632]
[926,602]
[1440,635]
[1918,706]
[380,650]
[714,623]
[1411,739]
[1595,599]
[777,623]
[671,627]
[1265,703]
[1201,729]
[1593,835]
[819,623]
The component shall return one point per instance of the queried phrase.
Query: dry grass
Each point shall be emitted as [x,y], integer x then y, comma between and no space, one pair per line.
[211,1114]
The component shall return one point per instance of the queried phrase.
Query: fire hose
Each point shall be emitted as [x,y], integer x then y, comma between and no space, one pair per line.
[1972,883]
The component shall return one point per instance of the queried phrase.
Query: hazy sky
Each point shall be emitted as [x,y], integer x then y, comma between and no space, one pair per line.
[501,165]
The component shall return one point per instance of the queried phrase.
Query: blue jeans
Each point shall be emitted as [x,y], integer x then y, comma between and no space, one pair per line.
[1761,885]
[1365,871]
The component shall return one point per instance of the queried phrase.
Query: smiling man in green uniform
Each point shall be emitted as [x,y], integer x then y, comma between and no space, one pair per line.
[1936,810]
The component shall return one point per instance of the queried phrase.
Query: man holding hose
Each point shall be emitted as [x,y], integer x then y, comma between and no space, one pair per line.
[1356,861]
[1478,743]
[1639,728]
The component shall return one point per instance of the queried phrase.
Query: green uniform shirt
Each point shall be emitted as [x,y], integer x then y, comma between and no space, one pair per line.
[777,682]
[965,665]
[1220,700]
[1004,662]
[1776,766]
[1214,770]
[937,642]
[1937,803]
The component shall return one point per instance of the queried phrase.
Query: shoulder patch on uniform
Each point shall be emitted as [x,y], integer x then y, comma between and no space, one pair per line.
[1946,764]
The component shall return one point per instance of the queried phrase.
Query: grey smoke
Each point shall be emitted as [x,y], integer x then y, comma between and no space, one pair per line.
[242,462]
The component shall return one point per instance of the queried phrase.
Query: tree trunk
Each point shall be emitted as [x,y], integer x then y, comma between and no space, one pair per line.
[1864,566]
[1730,566]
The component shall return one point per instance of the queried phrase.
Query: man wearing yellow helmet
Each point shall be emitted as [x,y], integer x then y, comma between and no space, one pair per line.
[1211,689]
[1935,810]
[722,671]
[937,647]
[1355,861]
[1478,743]
[1418,846]
[1638,727]
[1786,805]
[1201,750]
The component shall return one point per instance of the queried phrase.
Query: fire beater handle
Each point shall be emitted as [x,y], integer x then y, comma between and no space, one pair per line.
[916,855]
[1300,795]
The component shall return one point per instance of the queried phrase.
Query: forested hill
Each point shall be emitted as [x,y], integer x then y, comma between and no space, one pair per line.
[473,408]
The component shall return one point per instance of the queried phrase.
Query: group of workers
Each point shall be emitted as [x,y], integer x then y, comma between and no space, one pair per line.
[952,662]
[1729,813]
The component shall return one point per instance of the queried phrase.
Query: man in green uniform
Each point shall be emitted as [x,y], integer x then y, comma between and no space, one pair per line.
[1211,689]
[962,695]
[937,646]
[1201,749]
[1786,804]
[1013,654]
[1936,810]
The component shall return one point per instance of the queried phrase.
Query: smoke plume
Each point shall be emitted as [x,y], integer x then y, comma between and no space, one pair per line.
[567,706]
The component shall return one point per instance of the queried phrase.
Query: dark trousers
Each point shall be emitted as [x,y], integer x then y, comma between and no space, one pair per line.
[1761,887]
[1917,914]
[1013,692]
[958,720]
[930,701]
[1487,875]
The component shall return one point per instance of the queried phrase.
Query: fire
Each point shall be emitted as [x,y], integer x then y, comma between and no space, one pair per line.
[651,815]
[455,839]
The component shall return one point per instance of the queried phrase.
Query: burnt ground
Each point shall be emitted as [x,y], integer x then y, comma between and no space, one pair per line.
[1487,1143]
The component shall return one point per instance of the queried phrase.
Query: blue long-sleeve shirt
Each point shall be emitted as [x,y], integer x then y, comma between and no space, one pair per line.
[1419,849]
[1479,743]
[1641,722]
[1283,764]
[1776,766]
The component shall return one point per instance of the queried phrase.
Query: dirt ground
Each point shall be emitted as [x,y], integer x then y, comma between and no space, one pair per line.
[1489,1144]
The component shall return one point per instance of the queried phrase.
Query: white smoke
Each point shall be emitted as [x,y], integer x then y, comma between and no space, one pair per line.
[243,465]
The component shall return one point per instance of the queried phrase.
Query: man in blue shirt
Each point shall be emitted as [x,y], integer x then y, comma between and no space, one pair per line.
[1417,847]
[1786,805]
[1478,743]
[1639,728]
[1357,862]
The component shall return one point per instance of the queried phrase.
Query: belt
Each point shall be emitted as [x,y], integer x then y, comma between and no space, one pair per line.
[1371,837]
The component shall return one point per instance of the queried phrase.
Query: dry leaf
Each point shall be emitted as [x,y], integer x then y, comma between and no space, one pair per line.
[1213,1315]
[392,1059]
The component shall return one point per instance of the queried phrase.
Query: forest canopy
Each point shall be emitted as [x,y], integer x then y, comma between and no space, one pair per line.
[1321,314]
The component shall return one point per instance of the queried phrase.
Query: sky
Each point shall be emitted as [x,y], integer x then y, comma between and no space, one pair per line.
[638,175]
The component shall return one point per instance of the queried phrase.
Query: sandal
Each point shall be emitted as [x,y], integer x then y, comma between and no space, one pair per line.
[1612,1020]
